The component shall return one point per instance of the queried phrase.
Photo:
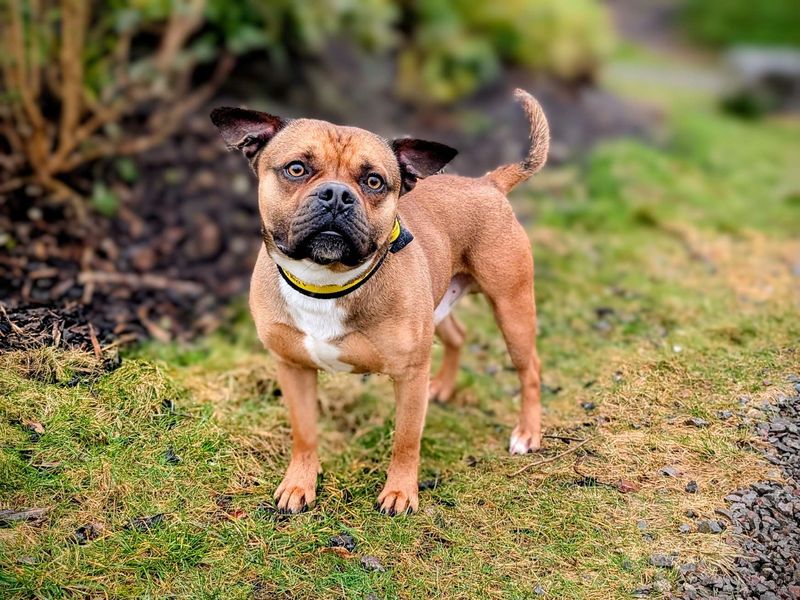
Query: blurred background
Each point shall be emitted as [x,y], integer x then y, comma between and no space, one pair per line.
[120,207]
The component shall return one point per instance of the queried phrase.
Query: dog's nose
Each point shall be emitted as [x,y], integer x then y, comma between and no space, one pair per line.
[335,195]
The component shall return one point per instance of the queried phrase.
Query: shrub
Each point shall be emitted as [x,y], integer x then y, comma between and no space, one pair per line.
[79,86]
[458,45]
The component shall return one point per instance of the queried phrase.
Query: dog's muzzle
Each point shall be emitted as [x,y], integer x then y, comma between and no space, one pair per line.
[331,227]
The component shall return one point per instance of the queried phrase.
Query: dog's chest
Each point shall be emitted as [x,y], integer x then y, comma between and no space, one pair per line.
[322,323]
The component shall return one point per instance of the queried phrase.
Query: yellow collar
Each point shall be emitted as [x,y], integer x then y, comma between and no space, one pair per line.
[399,238]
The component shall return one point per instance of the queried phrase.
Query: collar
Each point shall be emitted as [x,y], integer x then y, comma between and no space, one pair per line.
[398,240]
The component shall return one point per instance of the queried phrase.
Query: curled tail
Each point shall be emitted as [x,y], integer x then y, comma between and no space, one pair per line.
[507,177]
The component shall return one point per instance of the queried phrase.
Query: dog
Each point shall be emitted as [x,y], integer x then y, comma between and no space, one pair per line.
[367,247]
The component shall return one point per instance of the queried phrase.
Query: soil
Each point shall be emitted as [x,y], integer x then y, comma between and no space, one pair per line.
[179,248]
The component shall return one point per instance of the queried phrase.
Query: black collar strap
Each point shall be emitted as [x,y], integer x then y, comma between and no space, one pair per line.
[399,239]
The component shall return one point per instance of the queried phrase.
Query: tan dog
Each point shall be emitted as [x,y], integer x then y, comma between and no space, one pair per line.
[365,251]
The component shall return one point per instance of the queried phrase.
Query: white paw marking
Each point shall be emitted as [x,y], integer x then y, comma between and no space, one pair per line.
[518,445]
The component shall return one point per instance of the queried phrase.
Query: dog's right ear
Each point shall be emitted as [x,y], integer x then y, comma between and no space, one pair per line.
[246,130]
[418,159]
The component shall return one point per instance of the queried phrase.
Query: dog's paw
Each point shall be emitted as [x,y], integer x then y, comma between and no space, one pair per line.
[399,497]
[524,441]
[298,490]
[440,390]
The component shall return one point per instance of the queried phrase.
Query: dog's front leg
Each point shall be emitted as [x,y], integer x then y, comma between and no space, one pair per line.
[400,494]
[298,490]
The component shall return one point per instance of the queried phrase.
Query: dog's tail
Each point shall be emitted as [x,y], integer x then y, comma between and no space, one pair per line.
[507,177]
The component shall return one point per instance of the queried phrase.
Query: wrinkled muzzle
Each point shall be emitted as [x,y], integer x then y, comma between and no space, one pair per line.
[330,227]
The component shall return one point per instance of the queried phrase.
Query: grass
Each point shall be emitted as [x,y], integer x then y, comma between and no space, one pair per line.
[667,282]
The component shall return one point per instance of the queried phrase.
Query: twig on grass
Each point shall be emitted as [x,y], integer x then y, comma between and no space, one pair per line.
[563,438]
[548,460]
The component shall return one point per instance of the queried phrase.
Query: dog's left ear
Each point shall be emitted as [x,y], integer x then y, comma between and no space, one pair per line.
[246,130]
[418,159]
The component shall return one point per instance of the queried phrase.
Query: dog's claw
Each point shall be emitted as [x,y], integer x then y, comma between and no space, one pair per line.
[394,500]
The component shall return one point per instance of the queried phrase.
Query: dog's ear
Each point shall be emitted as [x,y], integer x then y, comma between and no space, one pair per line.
[246,130]
[418,159]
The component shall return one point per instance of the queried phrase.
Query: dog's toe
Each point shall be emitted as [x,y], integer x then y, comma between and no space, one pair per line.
[523,442]
[294,499]
[397,502]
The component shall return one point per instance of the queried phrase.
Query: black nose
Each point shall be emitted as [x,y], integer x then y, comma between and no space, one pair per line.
[335,195]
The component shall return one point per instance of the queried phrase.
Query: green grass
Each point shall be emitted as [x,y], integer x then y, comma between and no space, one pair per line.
[765,23]
[687,249]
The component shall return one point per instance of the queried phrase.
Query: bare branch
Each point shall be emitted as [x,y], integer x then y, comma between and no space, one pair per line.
[74,20]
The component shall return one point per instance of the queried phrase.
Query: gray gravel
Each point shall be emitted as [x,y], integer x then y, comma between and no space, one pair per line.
[764,518]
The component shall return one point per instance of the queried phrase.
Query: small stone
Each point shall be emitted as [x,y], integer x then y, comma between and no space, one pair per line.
[626,487]
[539,590]
[343,540]
[662,585]
[370,563]
[665,561]
[691,513]
[145,524]
[670,471]
[697,422]
[588,406]
[171,458]
[641,524]
[724,414]
[691,487]
[685,528]
[87,533]
[687,568]
[709,526]
[627,565]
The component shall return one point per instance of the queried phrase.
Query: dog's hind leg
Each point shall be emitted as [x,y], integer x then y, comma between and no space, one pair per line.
[516,316]
[507,280]
[452,334]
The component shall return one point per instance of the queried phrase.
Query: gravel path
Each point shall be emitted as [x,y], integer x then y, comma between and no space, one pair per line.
[765,519]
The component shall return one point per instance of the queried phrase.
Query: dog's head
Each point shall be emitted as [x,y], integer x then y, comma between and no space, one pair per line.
[327,193]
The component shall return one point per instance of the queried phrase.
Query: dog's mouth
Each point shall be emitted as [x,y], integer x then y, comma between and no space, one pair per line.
[328,247]
[347,242]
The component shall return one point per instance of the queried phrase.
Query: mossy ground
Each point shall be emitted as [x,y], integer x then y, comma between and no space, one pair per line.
[667,281]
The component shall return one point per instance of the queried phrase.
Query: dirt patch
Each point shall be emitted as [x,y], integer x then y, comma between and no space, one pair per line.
[180,245]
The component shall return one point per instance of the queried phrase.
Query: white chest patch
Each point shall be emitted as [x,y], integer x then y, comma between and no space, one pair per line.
[322,322]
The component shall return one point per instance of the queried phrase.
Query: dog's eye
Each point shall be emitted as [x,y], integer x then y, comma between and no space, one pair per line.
[296,169]
[374,182]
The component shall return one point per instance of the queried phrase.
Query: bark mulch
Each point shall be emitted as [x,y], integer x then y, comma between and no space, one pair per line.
[179,246]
